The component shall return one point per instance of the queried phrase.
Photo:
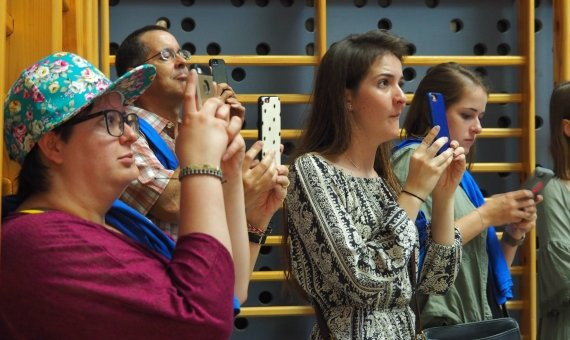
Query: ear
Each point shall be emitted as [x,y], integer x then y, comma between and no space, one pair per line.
[566,127]
[51,147]
[348,98]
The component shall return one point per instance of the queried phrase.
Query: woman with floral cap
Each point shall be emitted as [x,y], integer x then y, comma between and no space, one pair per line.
[70,272]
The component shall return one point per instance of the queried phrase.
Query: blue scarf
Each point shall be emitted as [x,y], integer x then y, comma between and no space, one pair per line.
[161,150]
[168,160]
[497,264]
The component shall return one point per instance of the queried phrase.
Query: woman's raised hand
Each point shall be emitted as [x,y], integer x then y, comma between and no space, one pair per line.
[204,134]
[426,168]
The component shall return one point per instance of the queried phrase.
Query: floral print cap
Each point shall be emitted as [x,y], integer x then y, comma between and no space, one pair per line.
[55,89]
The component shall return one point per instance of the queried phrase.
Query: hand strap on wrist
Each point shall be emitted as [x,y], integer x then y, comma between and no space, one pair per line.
[256,235]
[511,241]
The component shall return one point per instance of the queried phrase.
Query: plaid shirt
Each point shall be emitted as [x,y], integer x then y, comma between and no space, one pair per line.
[143,192]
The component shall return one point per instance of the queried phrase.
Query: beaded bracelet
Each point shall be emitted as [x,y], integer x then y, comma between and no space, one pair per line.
[201,169]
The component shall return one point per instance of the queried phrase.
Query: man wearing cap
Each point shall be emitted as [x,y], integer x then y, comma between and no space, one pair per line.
[70,272]
[155,192]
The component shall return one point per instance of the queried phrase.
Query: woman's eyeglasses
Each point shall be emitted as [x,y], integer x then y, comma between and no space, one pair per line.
[167,54]
[114,120]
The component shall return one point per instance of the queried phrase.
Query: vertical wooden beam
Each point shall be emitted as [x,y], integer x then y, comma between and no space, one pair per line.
[561,43]
[88,30]
[320,29]
[105,38]
[3,33]
[526,38]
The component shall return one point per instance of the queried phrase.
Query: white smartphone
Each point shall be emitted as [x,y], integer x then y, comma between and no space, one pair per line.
[269,125]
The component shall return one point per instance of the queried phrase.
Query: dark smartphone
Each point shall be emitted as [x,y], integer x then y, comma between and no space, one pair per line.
[269,125]
[538,180]
[205,88]
[219,70]
[436,105]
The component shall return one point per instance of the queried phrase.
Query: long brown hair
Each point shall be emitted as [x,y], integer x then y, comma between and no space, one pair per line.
[328,128]
[559,142]
[452,81]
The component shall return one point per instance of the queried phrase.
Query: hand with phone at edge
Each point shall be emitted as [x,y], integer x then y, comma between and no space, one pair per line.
[224,90]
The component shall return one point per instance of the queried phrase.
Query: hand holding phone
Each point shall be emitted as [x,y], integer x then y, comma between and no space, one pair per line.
[436,105]
[205,87]
[269,125]
[538,180]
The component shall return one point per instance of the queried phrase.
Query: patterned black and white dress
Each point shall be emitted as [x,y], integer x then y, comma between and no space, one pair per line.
[351,245]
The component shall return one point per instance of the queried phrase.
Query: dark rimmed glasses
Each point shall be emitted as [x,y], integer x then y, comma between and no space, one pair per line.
[114,120]
[168,53]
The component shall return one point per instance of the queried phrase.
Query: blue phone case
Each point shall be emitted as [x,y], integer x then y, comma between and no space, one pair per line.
[438,117]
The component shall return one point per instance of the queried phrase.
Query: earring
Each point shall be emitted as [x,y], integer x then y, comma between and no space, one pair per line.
[349,107]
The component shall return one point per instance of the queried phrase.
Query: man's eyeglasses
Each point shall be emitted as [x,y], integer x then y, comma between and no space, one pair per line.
[167,54]
[114,120]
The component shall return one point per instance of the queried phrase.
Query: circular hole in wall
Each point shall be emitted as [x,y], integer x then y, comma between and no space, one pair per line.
[411,49]
[262,48]
[432,3]
[504,174]
[265,269]
[359,3]
[189,47]
[479,49]
[481,71]
[237,3]
[113,2]
[503,25]
[537,25]
[455,25]
[384,3]
[409,74]
[265,250]
[261,3]
[538,122]
[287,3]
[504,122]
[537,3]
[310,49]
[113,48]
[188,24]
[187,2]
[309,3]
[503,49]
[241,323]
[310,25]
[265,297]
[288,148]
[385,24]
[163,22]
[238,74]
[213,48]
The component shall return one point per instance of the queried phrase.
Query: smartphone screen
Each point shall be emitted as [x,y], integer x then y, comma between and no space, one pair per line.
[205,87]
[269,125]
[438,117]
[219,70]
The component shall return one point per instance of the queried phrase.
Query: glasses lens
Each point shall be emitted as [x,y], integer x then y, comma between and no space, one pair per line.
[167,54]
[133,122]
[185,54]
[114,120]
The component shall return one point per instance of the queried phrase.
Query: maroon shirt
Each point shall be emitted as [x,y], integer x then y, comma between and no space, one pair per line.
[67,278]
